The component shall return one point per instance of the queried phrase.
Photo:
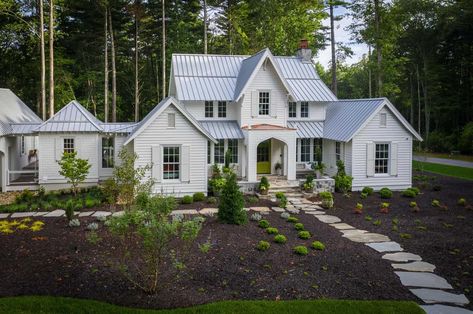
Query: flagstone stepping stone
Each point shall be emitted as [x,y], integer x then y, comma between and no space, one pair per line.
[439,296]
[55,213]
[386,246]
[415,266]
[184,212]
[208,211]
[402,257]
[22,214]
[260,209]
[426,280]
[317,207]
[342,226]
[278,209]
[293,210]
[118,214]
[350,232]
[85,214]
[316,212]
[40,214]
[328,219]
[444,309]
[367,237]
[3,216]
[306,201]
[101,213]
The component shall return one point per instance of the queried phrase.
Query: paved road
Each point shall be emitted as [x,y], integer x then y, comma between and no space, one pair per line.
[444,161]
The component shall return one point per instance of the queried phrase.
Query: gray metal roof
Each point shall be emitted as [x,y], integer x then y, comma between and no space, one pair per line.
[307,129]
[118,127]
[23,128]
[223,77]
[13,110]
[223,129]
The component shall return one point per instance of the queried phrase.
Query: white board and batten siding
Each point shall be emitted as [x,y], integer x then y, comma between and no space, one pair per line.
[399,174]
[193,153]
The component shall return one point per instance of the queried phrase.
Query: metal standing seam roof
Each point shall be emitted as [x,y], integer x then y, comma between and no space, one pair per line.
[118,127]
[23,128]
[248,66]
[13,110]
[307,129]
[223,129]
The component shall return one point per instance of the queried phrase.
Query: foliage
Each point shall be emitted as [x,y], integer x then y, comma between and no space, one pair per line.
[317,245]
[252,199]
[280,239]
[216,182]
[74,222]
[187,199]
[384,207]
[198,197]
[367,190]
[70,206]
[292,219]
[301,250]
[282,199]
[327,199]
[9,227]
[212,200]
[412,204]
[74,169]
[92,237]
[385,193]
[263,185]
[359,208]
[299,226]
[377,222]
[308,185]
[271,230]
[256,217]
[435,203]
[230,207]
[227,158]
[304,235]
[263,224]
[461,202]
[263,245]
[93,226]
[409,193]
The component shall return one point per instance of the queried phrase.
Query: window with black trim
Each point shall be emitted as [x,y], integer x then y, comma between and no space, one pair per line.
[233,147]
[107,152]
[171,162]
[209,149]
[292,109]
[263,103]
[68,145]
[304,109]
[222,109]
[219,152]
[338,150]
[22,145]
[209,109]
[305,149]
[317,148]
[381,161]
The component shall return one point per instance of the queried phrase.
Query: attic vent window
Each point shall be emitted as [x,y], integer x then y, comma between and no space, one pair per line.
[382,120]
[171,120]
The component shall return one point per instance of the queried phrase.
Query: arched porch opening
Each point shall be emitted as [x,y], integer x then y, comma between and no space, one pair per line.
[272,157]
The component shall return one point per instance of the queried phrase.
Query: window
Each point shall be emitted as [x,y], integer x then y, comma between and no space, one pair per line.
[209,149]
[233,147]
[219,152]
[297,149]
[317,148]
[381,162]
[209,109]
[171,120]
[264,103]
[171,162]
[107,152]
[222,109]
[338,151]
[305,149]
[304,109]
[382,120]
[68,145]
[292,110]
[22,145]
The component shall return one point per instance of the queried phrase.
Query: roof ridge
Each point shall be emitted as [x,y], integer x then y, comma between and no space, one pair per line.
[88,115]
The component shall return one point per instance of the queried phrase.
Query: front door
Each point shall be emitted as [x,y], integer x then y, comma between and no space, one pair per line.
[263,158]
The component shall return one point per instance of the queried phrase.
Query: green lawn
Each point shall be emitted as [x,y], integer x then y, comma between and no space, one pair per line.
[36,304]
[453,171]
[446,156]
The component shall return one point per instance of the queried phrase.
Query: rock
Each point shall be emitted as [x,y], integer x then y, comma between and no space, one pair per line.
[3,216]
[260,209]
[208,211]
[386,246]
[293,210]
[55,213]
[415,266]
[444,309]
[317,207]
[184,212]
[367,237]
[278,209]
[439,296]
[342,226]
[426,280]
[101,213]
[350,232]
[246,209]
[316,212]
[85,214]
[118,214]
[37,214]
[22,215]
[328,219]
[402,257]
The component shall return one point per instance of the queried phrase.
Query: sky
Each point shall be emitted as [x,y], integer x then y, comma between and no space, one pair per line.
[341,35]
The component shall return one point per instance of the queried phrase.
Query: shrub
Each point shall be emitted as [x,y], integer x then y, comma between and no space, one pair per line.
[412,204]
[93,226]
[263,185]
[256,217]
[285,215]
[304,235]
[301,250]
[385,193]
[26,196]
[271,230]
[187,199]
[282,199]
[299,226]
[367,190]
[216,185]
[74,169]
[47,206]
[363,195]
[212,200]
[70,206]
[342,181]
[263,224]
[89,203]
[252,199]
[280,239]
[377,222]
[263,245]
[198,197]
[317,245]
[435,203]
[461,202]
[74,223]
[327,199]
[292,219]
[384,207]
[230,208]
[415,190]
[409,193]
[359,208]
[308,185]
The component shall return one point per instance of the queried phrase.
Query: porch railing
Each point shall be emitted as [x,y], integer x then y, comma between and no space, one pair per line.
[22,177]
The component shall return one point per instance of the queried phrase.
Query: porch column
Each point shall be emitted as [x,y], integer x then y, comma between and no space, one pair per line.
[291,158]
[251,159]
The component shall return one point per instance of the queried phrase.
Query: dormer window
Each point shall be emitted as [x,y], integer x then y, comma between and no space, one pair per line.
[209,109]
[263,104]
[222,109]
[304,109]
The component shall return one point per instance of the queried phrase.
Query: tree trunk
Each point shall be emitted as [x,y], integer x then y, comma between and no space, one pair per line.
[379,55]
[426,103]
[205,26]
[114,69]
[137,79]
[164,51]
[369,72]
[51,58]
[43,61]
[419,121]
[411,114]
[105,70]
[332,44]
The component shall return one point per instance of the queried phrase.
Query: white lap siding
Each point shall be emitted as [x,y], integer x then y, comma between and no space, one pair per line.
[158,134]
[394,132]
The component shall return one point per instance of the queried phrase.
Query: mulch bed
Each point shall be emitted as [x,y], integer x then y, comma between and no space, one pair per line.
[441,237]
[59,261]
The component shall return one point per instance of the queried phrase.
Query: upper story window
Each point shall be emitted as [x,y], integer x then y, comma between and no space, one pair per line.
[381,162]
[171,163]
[263,103]
[171,120]
[222,109]
[292,109]
[107,152]
[209,109]
[338,150]
[304,109]
[382,120]
[68,145]
[219,152]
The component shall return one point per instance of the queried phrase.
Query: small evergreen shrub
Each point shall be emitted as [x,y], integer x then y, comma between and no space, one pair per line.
[252,199]
[363,195]
[282,199]
[187,199]
[264,185]
[304,235]
[280,239]
[359,208]
[212,200]
[198,197]
[292,219]
[298,226]
[384,207]
[26,196]
[256,217]
[301,250]
[385,193]
[263,224]
[285,215]
[230,208]
[412,204]
[69,209]
[409,193]
[327,199]
[263,246]
[317,245]
[435,203]
[271,230]
[367,190]
[461,202]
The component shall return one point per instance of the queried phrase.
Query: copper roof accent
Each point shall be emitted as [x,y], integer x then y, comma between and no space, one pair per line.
[266,127]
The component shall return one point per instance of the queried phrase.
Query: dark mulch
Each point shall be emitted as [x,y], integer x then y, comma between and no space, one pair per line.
[59,261]
[441,237]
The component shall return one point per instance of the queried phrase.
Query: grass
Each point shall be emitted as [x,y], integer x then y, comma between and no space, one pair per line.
[46,304]
[452,171]
[446,156]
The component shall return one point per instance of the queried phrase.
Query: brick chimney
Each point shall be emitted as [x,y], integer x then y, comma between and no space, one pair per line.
[304,52]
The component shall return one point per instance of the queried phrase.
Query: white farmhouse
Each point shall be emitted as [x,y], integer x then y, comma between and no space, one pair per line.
[273,114]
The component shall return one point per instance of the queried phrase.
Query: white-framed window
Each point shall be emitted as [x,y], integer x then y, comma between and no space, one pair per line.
[68,145]
[171,120]
[222,109]
[233,147]
[108,150]
[209,109]
[22,145]
[305,149]
[317,147]
[219,152]
[209,152]
[304,109]
[171,162]
[382,120]
[292,109]
[263,104]
[381,161]
[338,151]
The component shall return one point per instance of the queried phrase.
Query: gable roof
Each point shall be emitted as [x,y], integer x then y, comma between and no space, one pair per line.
[153,114]
[345,118]
[224,77]
[13,110]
